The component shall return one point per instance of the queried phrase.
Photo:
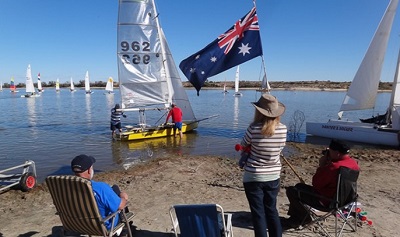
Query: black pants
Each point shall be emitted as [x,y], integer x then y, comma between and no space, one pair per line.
[296,209]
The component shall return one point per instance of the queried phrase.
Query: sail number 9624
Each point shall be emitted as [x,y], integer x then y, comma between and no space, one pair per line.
[136,47]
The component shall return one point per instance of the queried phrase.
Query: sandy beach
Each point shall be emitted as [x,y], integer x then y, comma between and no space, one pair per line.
[154,186]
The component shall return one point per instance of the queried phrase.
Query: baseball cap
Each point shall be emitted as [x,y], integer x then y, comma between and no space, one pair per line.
[82,163]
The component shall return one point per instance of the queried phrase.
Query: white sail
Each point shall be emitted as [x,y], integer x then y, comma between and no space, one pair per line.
[178,93]
[1,86]
[237,80]
[58,85]
[110,85]
[29,83]
[39,83]
[364,87]
[147,73]
[87,82]
[265,84]
[72,86]
[394,105]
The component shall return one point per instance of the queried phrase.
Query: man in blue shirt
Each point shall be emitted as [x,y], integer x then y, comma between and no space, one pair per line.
[106,197]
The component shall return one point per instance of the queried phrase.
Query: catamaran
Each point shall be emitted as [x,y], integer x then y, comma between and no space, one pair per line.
[87,84]
[39,84]
[148,79]
[110,86]
[30,89]
[362,94]
[237,92]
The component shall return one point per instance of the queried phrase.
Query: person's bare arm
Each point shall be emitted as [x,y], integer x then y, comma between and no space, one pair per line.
[124,200]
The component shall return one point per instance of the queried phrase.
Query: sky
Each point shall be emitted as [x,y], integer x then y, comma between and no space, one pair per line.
[301,39]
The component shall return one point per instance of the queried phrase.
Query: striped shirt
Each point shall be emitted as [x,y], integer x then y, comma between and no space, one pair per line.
[115,117]
[264,162]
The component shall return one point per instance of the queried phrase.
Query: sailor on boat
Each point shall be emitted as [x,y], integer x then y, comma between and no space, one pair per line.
[176,113]
[116,119]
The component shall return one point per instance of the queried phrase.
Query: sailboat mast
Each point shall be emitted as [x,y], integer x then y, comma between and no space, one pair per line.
[163,56]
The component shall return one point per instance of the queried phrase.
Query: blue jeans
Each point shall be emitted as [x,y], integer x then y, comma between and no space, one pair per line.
[262,201]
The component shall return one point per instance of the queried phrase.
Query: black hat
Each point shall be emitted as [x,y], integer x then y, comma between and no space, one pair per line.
[82,163]
[117,106]
[339,146]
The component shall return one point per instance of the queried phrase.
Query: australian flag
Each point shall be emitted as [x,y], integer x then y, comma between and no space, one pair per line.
[239,44]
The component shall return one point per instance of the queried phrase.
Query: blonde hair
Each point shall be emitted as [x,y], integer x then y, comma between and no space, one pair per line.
[268,124]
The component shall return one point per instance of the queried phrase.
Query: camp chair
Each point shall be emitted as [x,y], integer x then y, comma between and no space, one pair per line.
[201,220]
[342,207]
[77,207]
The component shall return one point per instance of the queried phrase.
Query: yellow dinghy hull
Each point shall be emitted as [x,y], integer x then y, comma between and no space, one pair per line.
[138,133]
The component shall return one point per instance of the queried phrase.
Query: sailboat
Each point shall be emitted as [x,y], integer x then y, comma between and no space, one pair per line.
[57,85]
[13,88]
[87,84]
[110,86]
[30,89]
[148,79]
[1,86]
[363,92]
[39,84]
[72,86]
[237,92]
[225,91]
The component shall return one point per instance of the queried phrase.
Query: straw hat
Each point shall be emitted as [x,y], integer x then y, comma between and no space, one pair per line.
[269,106]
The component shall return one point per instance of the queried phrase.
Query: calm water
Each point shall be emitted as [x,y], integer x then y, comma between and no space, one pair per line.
[54,128]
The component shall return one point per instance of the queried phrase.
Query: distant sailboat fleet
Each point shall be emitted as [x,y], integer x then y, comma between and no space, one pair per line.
[31,91]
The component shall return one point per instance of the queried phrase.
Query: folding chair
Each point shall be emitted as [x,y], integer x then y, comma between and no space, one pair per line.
[200,220]
[76,205]
[342,207]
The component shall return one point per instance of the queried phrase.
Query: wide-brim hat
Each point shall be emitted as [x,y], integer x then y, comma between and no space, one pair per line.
[269,106]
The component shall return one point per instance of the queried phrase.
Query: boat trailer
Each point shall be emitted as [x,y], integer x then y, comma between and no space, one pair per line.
[26,179]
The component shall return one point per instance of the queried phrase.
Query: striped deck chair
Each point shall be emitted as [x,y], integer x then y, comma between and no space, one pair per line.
[200,220]
[77,207]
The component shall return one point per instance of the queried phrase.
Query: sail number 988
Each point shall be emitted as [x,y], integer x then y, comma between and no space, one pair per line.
[136,47]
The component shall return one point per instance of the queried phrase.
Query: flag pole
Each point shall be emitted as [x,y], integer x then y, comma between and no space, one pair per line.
[264,82]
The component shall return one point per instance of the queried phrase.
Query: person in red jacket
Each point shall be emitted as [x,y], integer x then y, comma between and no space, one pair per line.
[176,113]
[324,182]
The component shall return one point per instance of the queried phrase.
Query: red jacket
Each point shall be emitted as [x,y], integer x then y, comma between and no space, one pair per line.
[176,114]
[325,178]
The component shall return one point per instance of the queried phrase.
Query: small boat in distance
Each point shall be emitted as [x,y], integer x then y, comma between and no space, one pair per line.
[39,84]
[72,86]
[1,86]
[87,84]
[237,92]
[30,88]
[225,91]
[13,88]
[110,86]
[58,85]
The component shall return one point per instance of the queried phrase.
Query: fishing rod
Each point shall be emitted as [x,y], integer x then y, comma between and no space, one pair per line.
[239,147]
[291,167]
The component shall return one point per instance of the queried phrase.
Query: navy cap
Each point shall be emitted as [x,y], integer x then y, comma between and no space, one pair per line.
[339,146]
[82,163]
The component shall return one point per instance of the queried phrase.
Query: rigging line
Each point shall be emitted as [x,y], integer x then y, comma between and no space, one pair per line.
[161,117]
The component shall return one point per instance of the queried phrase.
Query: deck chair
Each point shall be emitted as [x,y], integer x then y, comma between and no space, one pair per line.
[200,220]
[342,207]
[77,207]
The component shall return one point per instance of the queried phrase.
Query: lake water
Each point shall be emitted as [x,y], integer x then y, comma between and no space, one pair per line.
[54,128]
